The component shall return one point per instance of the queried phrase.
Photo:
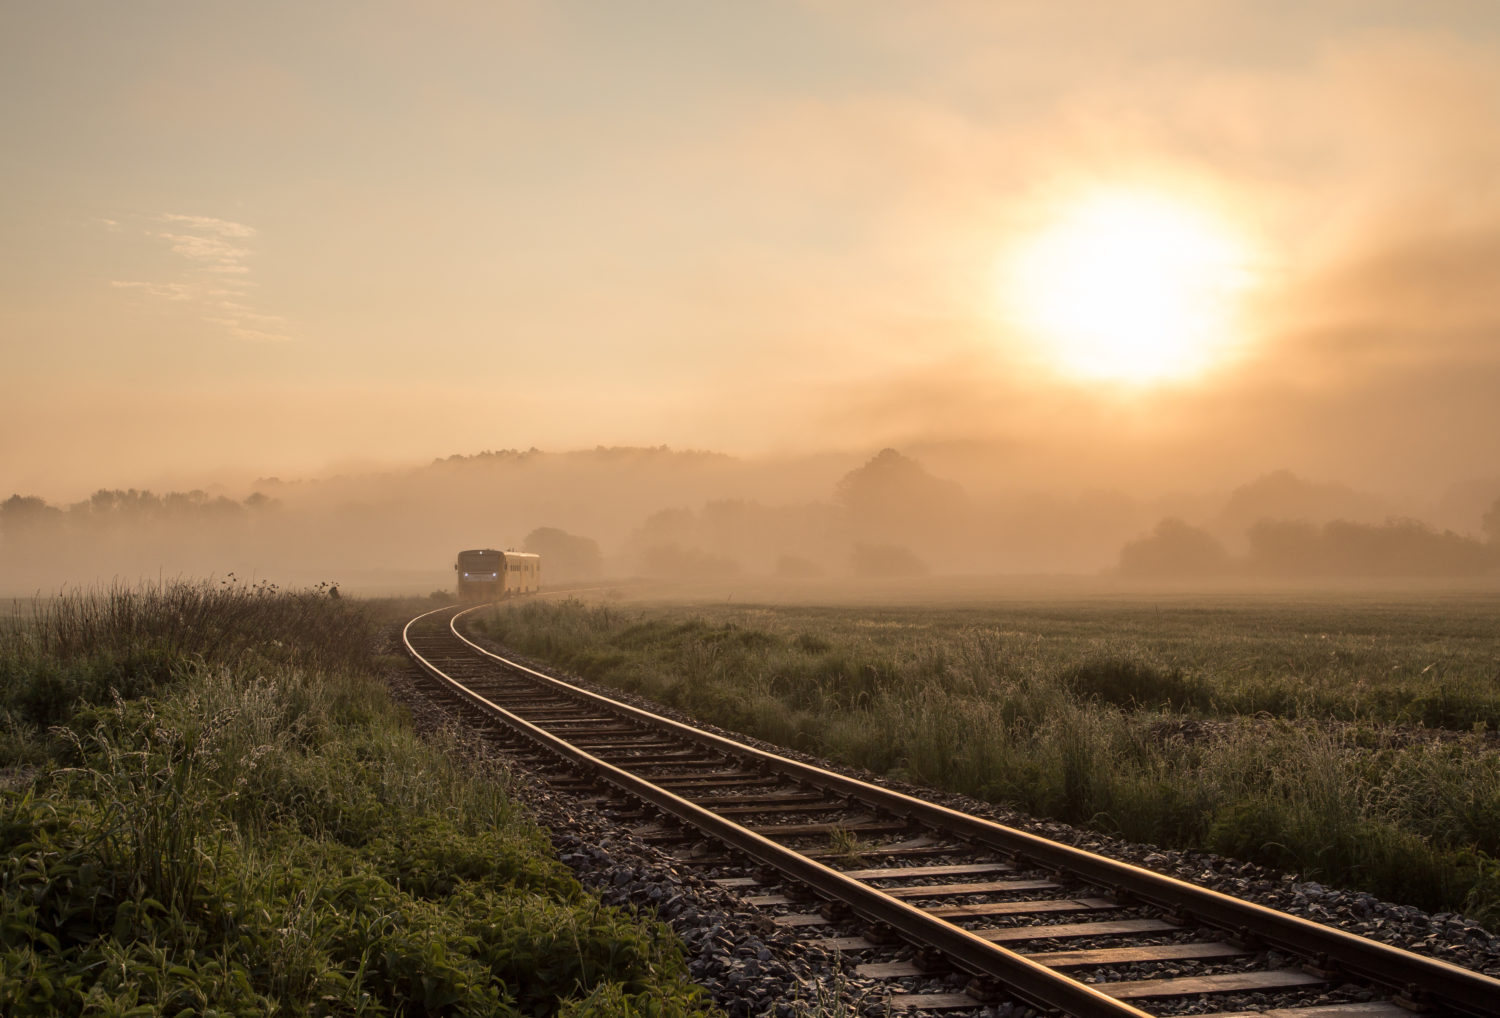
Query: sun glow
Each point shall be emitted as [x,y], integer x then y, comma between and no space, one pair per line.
[1130,287]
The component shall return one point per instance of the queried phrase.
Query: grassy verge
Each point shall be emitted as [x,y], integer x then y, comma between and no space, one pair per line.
[1288,735]
[207,806]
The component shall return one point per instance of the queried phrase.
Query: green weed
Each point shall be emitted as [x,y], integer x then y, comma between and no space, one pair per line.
[1269,731]
[229,818]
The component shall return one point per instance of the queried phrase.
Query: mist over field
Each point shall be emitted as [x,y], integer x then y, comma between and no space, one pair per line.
[1152,291]
[887,521]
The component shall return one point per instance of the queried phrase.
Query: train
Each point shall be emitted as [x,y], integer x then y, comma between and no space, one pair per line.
[485,574]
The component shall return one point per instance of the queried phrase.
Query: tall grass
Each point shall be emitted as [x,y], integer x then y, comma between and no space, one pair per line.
[229,817]
[1168,741]
[212,622]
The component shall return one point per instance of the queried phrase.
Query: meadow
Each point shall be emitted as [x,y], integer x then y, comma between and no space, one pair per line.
[1347,738]
[209,805]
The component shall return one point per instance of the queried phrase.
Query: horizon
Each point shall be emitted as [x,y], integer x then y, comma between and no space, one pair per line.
[708,521]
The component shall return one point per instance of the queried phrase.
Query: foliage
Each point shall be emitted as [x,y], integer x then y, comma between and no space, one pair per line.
[1400,547]
[894,491]
[567,556]
[1130,683]
[231,819]
[1490,523]
[1344,740]
[1174,548]
[1298,547]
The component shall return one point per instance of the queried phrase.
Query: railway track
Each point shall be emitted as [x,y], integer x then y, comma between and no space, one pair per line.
[909,887]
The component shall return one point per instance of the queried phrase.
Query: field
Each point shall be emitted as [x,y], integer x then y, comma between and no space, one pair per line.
[208,805]
[1350,738]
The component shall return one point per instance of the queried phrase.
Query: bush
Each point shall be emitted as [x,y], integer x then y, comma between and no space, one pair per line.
[1135,685]
[233,820]
[1089,717]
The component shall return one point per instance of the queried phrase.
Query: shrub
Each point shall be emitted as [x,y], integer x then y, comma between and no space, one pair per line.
[1134,685]
[1194,727]
[234,822]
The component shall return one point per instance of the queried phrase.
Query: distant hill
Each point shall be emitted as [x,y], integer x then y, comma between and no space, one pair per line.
[1282,495]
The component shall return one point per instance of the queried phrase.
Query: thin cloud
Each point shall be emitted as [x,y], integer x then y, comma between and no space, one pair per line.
[215,276]
[207,224]
[210,249]
[176,292]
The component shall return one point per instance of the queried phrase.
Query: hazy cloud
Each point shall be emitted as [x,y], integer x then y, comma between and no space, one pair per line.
[208,224]
[179,292]
[216,276]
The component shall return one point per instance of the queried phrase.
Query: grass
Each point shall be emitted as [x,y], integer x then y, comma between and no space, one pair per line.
[1348,741]
[849,846]
[208,806]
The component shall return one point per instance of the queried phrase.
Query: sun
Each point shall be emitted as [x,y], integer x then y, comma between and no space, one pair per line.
[1129,287]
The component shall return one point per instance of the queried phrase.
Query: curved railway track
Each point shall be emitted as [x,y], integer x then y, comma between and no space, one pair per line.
[1027,919]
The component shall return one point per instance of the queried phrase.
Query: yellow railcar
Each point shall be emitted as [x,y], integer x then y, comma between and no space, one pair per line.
[485,574]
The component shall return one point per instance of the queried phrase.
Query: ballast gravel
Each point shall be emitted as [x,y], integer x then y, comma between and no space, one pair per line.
[749,966]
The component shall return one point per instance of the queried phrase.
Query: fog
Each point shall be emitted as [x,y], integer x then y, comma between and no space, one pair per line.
[270,293]
[885,520]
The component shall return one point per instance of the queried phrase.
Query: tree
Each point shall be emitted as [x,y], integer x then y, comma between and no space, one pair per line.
[1174,548]
[23,514]
[20,510]
[1490,524]
[1397,547]
[30,531]
[1285,547]
[565,557]
[892,498]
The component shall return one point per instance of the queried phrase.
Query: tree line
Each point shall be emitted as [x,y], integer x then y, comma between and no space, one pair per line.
[1397,547]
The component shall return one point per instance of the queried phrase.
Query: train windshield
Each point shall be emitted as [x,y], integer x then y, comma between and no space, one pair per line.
[480,562]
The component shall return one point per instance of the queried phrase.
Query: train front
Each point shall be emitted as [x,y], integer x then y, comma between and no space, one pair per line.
[481,574]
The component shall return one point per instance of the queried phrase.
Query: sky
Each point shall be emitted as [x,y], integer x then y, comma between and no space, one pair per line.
[1154,245]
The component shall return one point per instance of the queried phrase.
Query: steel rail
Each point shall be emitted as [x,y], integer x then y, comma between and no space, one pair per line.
[1421,978]
[1034,983]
